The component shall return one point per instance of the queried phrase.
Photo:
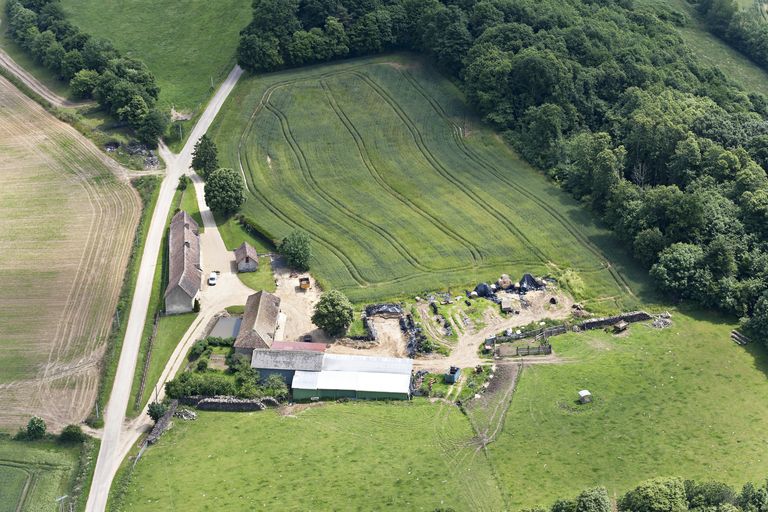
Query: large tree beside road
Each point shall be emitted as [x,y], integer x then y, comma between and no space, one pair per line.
[224,191]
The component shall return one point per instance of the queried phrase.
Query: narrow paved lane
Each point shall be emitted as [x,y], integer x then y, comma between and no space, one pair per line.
[112,443]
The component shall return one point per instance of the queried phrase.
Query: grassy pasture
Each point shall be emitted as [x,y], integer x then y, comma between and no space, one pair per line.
[188,44]
[683,401]
[401,189]
[354,456]
[67,226]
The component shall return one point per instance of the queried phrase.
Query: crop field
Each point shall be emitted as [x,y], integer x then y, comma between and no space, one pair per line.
[684,401]
[401,190]
[355,456]
[67,225]
[33,475]
[188,44]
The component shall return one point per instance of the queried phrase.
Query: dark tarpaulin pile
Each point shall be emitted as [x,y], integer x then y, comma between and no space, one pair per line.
[383,309]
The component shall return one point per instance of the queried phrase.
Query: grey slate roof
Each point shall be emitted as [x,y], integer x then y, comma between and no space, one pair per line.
[287,360]
[246,250]
[257,329]
[184,255]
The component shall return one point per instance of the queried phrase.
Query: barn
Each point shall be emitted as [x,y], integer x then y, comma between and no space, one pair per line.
[285,363]
[259,325]
[184,272]
[347,376]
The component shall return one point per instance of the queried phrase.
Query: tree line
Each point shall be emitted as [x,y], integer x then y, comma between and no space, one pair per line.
[669,495]
[93,68]
[602,95]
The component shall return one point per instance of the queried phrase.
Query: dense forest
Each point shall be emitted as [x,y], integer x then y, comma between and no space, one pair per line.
[669,495]
[92,67]
[601,94]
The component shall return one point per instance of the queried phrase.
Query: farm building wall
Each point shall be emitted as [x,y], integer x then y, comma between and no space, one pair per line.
[247,265]
[177,301]
[264,374]
[334,394]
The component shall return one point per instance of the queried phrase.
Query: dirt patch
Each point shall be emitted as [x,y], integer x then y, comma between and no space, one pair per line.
[389,341]
[292,410]
[297,304]
[180,116]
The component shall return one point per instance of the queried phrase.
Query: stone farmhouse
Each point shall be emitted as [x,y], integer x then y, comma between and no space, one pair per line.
[184,272]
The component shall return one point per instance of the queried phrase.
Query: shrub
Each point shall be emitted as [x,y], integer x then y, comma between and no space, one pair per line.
[156,410]
[72,434]
[202,365]
[184,181]
[35,428]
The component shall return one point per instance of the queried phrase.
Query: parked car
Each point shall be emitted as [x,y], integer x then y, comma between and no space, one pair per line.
[213,278]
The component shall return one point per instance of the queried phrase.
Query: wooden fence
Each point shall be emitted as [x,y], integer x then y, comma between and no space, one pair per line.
[534,351]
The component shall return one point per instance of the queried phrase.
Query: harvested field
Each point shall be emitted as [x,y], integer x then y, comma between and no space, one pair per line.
[434,204]
[67,225]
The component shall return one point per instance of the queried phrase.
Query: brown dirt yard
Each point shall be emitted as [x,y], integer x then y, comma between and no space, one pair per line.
[66,229]
[297,304]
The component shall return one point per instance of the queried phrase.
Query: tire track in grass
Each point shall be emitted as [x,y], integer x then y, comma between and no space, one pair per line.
[354,272]
[618,278]
[443,171]
[335,203]
[378,178]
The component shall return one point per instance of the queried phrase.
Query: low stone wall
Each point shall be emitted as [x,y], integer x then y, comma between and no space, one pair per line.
[162,423]
[229,403]
[597,323]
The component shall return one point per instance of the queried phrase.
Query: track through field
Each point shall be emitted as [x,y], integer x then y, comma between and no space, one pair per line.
[290,168]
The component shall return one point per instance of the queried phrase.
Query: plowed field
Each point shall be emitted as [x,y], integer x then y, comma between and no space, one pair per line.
[66,228]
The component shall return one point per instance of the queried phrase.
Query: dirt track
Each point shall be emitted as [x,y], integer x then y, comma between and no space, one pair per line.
[33,83]
[67,223]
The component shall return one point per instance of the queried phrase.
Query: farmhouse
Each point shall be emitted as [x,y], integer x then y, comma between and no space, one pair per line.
[246,258]
[345,376]
[184,272]
[259,324]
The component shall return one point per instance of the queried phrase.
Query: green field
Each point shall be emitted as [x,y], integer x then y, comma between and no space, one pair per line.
[400,188]
[355,456]
[188,44]
[34,475]
[683,401]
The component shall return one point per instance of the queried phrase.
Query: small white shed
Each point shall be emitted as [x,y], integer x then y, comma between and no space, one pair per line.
[585,396]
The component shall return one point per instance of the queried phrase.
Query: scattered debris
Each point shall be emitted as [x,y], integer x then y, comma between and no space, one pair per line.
[739,338]
[386,310]
[185,414]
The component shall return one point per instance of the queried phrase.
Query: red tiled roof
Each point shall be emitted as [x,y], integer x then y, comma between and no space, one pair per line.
[296,345]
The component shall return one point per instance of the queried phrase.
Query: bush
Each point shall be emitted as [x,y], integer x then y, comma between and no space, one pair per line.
[72,434]
[35,428]
[202,365]
[197,349]
[156,410]
[184,181]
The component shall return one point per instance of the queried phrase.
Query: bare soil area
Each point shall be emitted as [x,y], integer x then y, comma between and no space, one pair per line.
[297,304]
[389,342]
[67,225]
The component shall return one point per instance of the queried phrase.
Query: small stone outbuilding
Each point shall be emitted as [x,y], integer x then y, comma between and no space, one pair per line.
[259,325]
[184,272]
[247,259]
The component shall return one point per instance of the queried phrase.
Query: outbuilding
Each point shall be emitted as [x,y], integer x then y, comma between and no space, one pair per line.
[585,396]
[247,259]
[285,363]
[347,376]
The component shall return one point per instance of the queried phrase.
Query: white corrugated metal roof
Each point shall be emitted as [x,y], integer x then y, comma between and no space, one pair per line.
[353,381]
[365,364]
[305,380]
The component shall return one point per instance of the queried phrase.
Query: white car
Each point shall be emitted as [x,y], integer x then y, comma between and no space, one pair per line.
[213,278]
